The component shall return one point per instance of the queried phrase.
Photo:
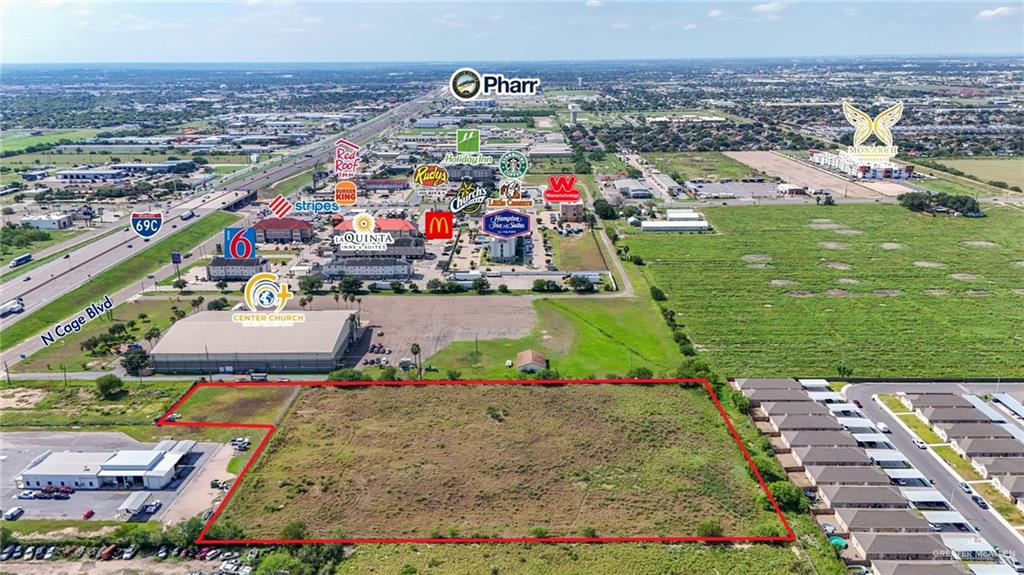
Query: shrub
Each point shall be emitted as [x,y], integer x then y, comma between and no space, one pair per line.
[709,528]
[657,294]
[538,532]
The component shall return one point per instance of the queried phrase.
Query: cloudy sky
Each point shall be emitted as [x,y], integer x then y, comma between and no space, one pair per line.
[268,31]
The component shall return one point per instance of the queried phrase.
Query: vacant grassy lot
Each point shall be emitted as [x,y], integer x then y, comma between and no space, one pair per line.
[580,338]
[701,165]
[52,403]
[115,278]
[67,351]
[71,158]
[380,462]
[1009,170]
[287,186]
[252,404]
[576,253]
[16,140]
[802,289]
[8,252]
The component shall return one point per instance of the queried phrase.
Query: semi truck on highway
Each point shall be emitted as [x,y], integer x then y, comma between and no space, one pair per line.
[187,215]
[16,305]
[20,260]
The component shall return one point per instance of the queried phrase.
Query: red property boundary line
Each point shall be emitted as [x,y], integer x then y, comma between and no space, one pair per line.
[270,429]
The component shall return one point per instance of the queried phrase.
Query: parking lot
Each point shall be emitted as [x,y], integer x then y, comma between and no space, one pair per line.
[20,448]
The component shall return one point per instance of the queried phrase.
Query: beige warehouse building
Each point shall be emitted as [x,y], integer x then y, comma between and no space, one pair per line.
[211,343]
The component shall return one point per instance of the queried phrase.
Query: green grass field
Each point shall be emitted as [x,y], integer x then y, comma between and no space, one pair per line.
[63,160]
[128,271]
[66,351]
[287,186]
[580,337]
[576,253]
[56,237]
[887,291]
[701,165]
[1009,170]
[961,465]
[945,186]
[16,140]
[75,404]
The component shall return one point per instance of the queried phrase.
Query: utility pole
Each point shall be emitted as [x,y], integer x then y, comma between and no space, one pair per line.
[7,372]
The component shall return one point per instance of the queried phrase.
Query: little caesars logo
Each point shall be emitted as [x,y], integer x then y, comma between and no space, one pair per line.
[881,126]
[362,237]
[265,297]
[511,192]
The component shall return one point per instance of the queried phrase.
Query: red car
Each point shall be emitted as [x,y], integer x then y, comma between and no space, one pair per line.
[68,490]
[88,514]
[49,489]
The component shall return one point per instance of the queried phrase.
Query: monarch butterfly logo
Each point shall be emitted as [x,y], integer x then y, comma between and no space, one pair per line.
[880,126]
[264,293]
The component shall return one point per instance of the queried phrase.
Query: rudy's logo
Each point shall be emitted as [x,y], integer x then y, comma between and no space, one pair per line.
[266,297]
[468,199]
[430,176]
[437,225]
[467,84]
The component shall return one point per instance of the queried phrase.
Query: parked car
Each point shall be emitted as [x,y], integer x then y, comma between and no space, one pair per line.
[920,444]
[129,552]
[162,553]
[7,552]
[14,513]
[28,494]
[88,514]
[214,484]
[66,489]
[108,552]
[18,552]
[858,403]
[49,489]
[50,552]
[966,488]
[30,552]
[61,495]
[43,495]
[883,427]
[980,501]
[1013,563]
[212,554]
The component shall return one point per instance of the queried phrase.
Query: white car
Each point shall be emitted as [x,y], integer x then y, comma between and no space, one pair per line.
[883,427]
[27,495]
[920,444]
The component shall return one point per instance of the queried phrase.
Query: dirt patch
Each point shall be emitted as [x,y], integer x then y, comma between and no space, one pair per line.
[799,293]
[21,397]
[1018,291]
[197,496]
[849,232]
[758,266]
[964,277]
[756,258]
[821,221]
[501,459]
[887,292]
[838,293]
[838,265]
[978,292]
[834,245]
[848,281]
[891,246]
[783,282]
[937,291]
[1019,264]
[824,226]
[926,264]
[980,244]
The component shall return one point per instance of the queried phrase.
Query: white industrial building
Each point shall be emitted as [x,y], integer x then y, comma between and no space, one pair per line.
[675,226]
[125,469]
[631,188]
[665,184]
[683,215]
[850,165]
[211,342]
[48,222]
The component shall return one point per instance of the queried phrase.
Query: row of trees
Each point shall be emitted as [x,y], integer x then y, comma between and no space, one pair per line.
[927,202]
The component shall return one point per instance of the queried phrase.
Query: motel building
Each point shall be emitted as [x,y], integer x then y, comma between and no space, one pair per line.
[119,470]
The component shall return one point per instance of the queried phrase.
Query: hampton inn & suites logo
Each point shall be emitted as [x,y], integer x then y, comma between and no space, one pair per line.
[466,84]
[881,126]
[266,297]
[362,236]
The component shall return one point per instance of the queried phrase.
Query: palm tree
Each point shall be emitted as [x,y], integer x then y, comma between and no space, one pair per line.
[415,349]
[336,298]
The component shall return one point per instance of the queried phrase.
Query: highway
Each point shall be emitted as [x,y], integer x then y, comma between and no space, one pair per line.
[986,521]
[49,281]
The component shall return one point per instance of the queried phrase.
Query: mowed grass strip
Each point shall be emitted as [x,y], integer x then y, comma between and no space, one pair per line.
[52,403]
[115,278]
[626,460]
[920,428]
[961,465]
[887,292]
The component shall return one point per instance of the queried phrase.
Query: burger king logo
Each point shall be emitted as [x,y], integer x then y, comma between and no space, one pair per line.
[345,193]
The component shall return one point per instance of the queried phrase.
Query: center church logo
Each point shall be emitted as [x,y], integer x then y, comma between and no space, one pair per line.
[266,298]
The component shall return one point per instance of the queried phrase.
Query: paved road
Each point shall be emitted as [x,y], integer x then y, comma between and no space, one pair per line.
[993,530]
[61,276]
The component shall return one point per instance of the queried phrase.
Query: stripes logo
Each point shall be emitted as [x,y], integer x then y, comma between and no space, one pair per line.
[280,206]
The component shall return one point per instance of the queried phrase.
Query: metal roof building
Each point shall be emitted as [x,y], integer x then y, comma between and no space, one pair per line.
[211,342]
